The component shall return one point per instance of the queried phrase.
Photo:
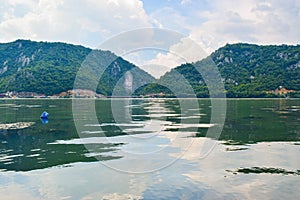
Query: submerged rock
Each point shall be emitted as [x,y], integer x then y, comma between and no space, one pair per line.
[265,170]
[15,126]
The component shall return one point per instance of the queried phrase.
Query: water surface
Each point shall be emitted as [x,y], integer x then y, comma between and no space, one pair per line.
[150,150]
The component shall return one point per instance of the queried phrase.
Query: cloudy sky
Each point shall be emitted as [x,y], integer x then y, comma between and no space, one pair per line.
[209,23]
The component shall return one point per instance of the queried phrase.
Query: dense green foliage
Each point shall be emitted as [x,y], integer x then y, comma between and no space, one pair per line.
[51,68]
[250,70]
[246,70]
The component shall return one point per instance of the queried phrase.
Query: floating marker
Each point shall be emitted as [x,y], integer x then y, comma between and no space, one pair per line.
[44,115]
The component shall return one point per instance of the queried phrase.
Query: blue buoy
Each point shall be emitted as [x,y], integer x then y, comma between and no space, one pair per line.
[44,115]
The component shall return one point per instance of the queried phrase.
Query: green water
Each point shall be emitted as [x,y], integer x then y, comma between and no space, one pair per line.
[150,149]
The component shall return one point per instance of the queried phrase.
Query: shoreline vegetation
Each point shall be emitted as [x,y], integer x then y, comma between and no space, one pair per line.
[79,93]
[145,97]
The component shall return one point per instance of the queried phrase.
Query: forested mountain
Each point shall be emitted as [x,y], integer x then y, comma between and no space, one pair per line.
[247,71]
[50,68]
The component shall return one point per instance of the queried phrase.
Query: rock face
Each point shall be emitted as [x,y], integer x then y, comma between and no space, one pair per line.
[16,126]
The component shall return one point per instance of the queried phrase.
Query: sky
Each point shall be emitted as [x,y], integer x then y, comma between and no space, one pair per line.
[209,23]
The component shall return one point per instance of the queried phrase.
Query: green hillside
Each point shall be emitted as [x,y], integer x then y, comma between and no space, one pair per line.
[247,71]
[50,68]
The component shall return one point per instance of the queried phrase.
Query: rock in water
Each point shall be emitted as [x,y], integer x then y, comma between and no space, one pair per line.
[16,126]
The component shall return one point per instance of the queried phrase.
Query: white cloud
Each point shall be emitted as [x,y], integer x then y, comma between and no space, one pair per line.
[75,21]
[253,21]
[185,51]
[212,23]
[185,1]
[189,50]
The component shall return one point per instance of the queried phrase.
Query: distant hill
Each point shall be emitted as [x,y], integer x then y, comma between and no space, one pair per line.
[247,71]
[50,68]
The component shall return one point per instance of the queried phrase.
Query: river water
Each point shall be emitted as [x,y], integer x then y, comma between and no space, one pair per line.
[149,149]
